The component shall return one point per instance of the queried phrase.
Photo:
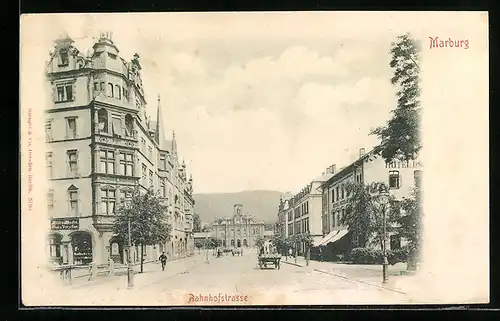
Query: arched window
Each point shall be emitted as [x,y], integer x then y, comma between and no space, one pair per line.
[129,125]
[110,90]
[394,180]
[73,200]
[245,242]
[102,118]
[118,93]
[55,247]
[232,242]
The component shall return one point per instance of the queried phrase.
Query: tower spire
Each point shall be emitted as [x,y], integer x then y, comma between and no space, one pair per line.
[158,121]
[174,143]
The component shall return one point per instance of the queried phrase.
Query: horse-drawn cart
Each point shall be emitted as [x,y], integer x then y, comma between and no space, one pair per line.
[269,259]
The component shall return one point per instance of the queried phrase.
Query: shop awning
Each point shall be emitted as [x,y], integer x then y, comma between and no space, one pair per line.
[333,236]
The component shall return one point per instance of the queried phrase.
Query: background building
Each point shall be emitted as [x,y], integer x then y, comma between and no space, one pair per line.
[239,230]
[401,177]
[100,146]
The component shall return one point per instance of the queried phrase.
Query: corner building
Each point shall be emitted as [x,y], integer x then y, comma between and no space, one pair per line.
[101,145]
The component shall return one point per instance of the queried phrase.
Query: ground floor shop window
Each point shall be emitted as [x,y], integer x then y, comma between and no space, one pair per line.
[82,248]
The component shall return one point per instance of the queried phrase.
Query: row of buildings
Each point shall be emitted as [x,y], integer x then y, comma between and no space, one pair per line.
[101,145]
[238,230]
[318,209]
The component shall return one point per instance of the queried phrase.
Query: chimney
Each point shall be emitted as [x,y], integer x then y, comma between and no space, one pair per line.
[361,152]
[333,168]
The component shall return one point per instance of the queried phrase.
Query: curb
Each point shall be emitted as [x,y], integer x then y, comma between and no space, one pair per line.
[348,279]
[293,263]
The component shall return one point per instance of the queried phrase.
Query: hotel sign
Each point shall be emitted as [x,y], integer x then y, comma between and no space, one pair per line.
[64,224]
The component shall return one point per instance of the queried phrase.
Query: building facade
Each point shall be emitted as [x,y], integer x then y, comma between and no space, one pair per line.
[301,213]
[239,230]
[401,178]
[101,145]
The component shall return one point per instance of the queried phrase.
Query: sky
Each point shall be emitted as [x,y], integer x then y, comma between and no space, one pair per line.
[257,102]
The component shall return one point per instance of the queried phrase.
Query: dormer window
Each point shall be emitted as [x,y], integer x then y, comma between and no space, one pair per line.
[112,56]
[63,58]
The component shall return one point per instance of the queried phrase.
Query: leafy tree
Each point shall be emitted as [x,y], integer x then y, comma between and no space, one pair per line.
[148,221]
[307,240]
[400,137]
[364,214]
[408,214]
[280,243]
[196,223]
[199,245]
[213,242]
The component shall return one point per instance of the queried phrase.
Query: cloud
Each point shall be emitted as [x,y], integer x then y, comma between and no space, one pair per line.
[273,122]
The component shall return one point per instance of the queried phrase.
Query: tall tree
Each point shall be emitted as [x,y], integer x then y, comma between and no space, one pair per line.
[199,245]
[400,137]
[148,221]
[196,223]
[407,213]
[364,214]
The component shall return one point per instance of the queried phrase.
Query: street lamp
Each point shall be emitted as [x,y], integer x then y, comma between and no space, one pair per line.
[130,272]
[384,194]
[206,246]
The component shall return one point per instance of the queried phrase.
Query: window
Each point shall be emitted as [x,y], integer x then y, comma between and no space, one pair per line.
[163,188]
[112,56]
[143,174]
[50,199]
[150,152]
[150,178]
[394,181]
[64,93]
[96,86]
[48,131]
[108,200]
[333,195]
[102,86]
[102,118]
[337,194]
[110,89]
[73,200]
[63,58]
[143,146]
[125,94]
[55,245]
[117,126]
[127,164]
[418,178]
[163,164]
[73,162]
[48,164]
[125,196]
[118,93]
[129,125]
[71,127]
[107,159]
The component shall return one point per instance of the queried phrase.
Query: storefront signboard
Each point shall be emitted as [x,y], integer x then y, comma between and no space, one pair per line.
[58,224]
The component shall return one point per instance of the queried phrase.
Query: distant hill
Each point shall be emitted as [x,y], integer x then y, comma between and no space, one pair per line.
[262,205]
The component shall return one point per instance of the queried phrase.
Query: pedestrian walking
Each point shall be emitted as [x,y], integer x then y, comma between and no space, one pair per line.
[290,252]
[163,260]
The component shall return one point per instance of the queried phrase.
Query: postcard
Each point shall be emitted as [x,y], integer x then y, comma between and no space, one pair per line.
[257,158]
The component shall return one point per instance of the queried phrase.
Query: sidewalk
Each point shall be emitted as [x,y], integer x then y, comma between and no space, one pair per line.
[371,275]
[151,272]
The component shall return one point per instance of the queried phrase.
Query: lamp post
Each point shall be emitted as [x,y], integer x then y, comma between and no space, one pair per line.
[384,193]
[130,272]
[206,247]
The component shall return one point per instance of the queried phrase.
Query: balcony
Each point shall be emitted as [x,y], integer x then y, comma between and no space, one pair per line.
[103,222]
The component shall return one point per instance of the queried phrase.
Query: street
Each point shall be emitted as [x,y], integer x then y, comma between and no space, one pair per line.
[192,281]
